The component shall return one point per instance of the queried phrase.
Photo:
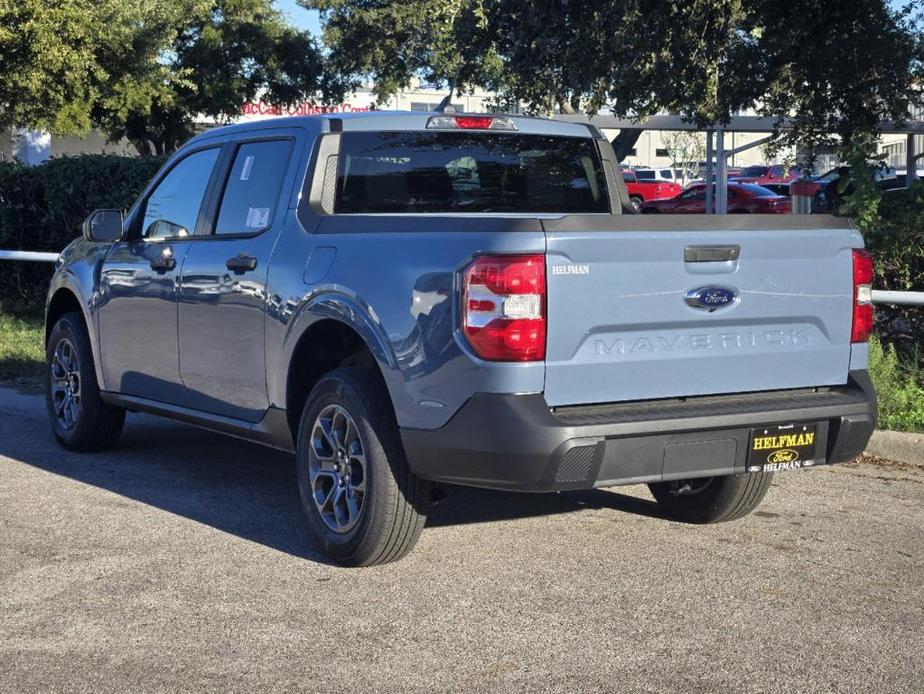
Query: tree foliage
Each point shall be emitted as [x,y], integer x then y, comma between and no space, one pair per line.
[145,69]
[223,53]
[59,59]
[835,68]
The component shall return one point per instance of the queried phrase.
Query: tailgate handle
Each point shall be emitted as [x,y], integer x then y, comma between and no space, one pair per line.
[710,254]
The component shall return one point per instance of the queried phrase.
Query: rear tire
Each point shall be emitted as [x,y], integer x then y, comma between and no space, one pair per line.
[81,421]
[712,499]
[361,501]
[636,202]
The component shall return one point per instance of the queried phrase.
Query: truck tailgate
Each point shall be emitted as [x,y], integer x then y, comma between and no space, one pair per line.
[623,322]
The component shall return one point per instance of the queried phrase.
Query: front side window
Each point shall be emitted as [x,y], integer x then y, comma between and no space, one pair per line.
[251,193]
[449,172]
[172,210]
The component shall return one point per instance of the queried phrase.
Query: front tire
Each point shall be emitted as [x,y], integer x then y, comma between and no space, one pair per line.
[712,499]
[80,420]
[361,501]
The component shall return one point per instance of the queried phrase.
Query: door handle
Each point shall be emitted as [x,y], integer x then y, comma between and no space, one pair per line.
[241,263]
[165,261]
[710,254]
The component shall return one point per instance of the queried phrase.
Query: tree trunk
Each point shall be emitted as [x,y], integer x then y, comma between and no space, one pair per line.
[564,106]
[142,145]
[625,141]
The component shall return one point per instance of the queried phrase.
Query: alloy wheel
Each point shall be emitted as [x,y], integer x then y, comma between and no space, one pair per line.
[65,383]
[337,468]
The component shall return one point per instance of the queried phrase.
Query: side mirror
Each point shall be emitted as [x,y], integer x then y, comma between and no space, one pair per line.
[103,225]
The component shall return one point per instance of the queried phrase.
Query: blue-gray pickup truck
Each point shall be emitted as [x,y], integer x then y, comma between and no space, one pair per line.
[405,300]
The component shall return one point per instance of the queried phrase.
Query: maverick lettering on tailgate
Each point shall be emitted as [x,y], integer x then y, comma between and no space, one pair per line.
[787,447]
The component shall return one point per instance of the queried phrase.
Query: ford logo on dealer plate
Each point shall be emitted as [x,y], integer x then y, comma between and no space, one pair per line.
[711,298]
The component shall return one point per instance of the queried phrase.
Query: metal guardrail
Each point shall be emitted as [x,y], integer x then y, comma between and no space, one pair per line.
[879,296]
[29,255]
[898,298]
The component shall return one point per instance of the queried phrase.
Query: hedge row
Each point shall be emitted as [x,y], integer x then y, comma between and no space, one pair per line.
[896,241]
[42,208]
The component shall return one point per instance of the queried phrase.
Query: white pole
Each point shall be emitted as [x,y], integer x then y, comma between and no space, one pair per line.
[710,207]
[721,182]
[29,255]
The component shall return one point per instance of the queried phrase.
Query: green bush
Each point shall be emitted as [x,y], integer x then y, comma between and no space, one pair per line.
[42,208]
[900,386]
[895,238]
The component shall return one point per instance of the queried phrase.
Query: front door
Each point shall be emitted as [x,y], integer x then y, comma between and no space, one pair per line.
[223,286]
[137,304]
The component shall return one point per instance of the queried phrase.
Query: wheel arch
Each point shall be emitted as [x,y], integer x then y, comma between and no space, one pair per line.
[63,298]
[329,333]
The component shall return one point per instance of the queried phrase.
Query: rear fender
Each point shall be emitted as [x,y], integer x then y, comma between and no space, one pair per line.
[327,303]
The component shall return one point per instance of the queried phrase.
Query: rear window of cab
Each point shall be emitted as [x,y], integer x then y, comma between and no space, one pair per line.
[476,172]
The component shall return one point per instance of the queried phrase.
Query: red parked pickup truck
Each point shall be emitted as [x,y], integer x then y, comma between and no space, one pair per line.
[773,174]
[644,191]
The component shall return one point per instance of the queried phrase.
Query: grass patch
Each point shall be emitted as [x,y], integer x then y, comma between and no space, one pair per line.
[22,352]
[898,382]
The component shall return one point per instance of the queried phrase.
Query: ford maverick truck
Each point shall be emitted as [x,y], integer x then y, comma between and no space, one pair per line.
[408,300]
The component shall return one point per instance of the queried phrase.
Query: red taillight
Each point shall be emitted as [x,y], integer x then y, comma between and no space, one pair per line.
[474,122]
[503,307]
[471,123]
[863,312]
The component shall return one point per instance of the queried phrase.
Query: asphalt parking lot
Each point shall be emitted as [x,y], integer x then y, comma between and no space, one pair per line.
[178,562]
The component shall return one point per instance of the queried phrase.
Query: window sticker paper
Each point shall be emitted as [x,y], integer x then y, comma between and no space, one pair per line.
[257,217]
[248,165]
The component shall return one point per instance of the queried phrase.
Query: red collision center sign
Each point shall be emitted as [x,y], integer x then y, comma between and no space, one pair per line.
[258,108]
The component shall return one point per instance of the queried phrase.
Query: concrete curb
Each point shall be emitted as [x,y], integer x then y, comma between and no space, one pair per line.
[897,445]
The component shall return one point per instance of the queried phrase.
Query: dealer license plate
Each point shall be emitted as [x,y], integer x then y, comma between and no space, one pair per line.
[783,447]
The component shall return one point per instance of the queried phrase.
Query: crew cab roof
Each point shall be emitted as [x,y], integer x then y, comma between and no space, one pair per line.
[394,120]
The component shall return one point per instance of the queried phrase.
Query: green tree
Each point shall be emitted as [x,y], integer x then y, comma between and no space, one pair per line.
[59,58]
[834,68]
[224,53]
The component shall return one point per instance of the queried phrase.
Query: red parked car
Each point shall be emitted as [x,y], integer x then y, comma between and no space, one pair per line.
[774,174]
[742,198]
[643,191]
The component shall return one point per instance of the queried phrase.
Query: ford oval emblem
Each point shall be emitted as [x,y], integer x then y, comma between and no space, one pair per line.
[711,298]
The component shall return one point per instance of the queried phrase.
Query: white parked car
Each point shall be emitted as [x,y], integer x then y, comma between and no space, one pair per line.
[658,175]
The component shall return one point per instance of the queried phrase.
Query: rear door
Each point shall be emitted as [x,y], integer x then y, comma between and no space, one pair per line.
[222,295]
[623,319]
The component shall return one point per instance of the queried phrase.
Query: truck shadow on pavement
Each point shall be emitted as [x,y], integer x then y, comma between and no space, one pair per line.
[249,490]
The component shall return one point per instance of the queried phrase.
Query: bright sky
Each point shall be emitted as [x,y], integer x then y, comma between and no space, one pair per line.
[300,17]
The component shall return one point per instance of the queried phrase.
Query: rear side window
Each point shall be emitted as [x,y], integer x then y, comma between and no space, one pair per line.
[445,172]
[645,175]
[248,203]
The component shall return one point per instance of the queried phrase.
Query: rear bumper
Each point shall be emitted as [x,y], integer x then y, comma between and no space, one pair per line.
[516,442]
